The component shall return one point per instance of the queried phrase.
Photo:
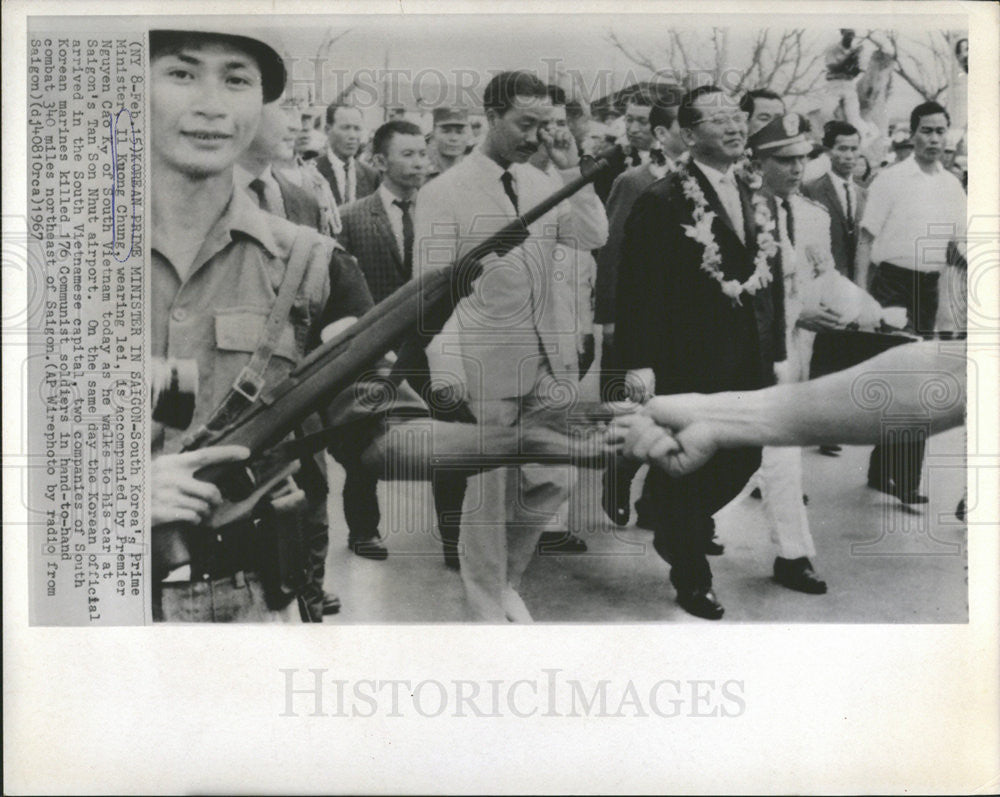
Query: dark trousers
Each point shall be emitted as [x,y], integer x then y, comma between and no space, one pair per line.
[682,510]
[612,388]
[900,457]
[449,494]
[360,504]
[316,542]
[447,486]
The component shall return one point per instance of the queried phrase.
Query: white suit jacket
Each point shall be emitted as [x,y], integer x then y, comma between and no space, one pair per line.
[515,324]
[811,258]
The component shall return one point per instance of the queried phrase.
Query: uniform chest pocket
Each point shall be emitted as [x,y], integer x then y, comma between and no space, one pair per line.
[237,337]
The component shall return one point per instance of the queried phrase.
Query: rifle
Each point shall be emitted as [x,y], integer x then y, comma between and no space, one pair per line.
[412,315]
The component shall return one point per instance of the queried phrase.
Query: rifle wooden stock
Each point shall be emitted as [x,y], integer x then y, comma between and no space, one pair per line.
[414,313]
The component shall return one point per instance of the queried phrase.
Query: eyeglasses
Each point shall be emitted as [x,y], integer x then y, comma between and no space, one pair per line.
[722,119]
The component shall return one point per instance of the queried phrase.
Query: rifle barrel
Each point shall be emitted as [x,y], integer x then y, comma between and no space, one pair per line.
[421,306]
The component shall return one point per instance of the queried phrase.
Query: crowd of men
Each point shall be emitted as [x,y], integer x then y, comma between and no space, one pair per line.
[727,246]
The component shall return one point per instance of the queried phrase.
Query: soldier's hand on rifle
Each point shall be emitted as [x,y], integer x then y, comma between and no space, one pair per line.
[561,146]
[179,497]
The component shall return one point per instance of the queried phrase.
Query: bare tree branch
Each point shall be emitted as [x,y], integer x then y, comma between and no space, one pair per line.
[346,93]
[685,62]
[717,66]
[636,57]
[329,41]
[912,69]
[759,47]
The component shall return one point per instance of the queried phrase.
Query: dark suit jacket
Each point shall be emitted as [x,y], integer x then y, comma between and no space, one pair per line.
[300,206]
[367,178]
[624,191]
[367,235]
[674,318]
[621,158]
[844,246]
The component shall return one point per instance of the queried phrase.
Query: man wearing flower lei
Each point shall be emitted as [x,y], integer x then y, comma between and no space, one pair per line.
[700,309]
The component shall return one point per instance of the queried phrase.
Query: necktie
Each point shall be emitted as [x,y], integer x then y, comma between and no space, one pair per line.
[404,205]
[730,196]
[789,220]
[258,187]
[508,187]
[850,205]
[851,229]
[348,186]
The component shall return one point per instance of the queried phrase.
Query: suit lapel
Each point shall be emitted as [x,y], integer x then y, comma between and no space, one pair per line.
[323,164]
[749,223]
[833,199]
[381,221]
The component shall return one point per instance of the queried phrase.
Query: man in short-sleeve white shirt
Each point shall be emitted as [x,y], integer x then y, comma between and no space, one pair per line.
[914,210]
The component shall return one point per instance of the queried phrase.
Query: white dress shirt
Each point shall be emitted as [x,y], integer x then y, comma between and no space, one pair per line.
[843,187]
[913,215]
[724,184]
[395,214]
[345,174]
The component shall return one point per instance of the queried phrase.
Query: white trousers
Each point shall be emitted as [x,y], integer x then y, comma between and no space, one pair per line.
[504,514]
[781,485]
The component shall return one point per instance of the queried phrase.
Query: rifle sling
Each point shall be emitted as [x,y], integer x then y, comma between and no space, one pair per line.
[250,381]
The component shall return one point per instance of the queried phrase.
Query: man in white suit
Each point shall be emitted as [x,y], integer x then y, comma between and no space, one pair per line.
[506,346]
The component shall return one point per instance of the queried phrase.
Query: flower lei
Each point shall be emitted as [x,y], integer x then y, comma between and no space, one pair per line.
[711,259]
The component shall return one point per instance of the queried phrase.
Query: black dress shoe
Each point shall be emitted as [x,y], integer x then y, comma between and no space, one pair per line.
[451,556]
[877,484]
[644,521]
[830,451]
[560,542]
[714,547]
[700,603]
[798,574]
[331,603]
[369,549]
[890,488]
